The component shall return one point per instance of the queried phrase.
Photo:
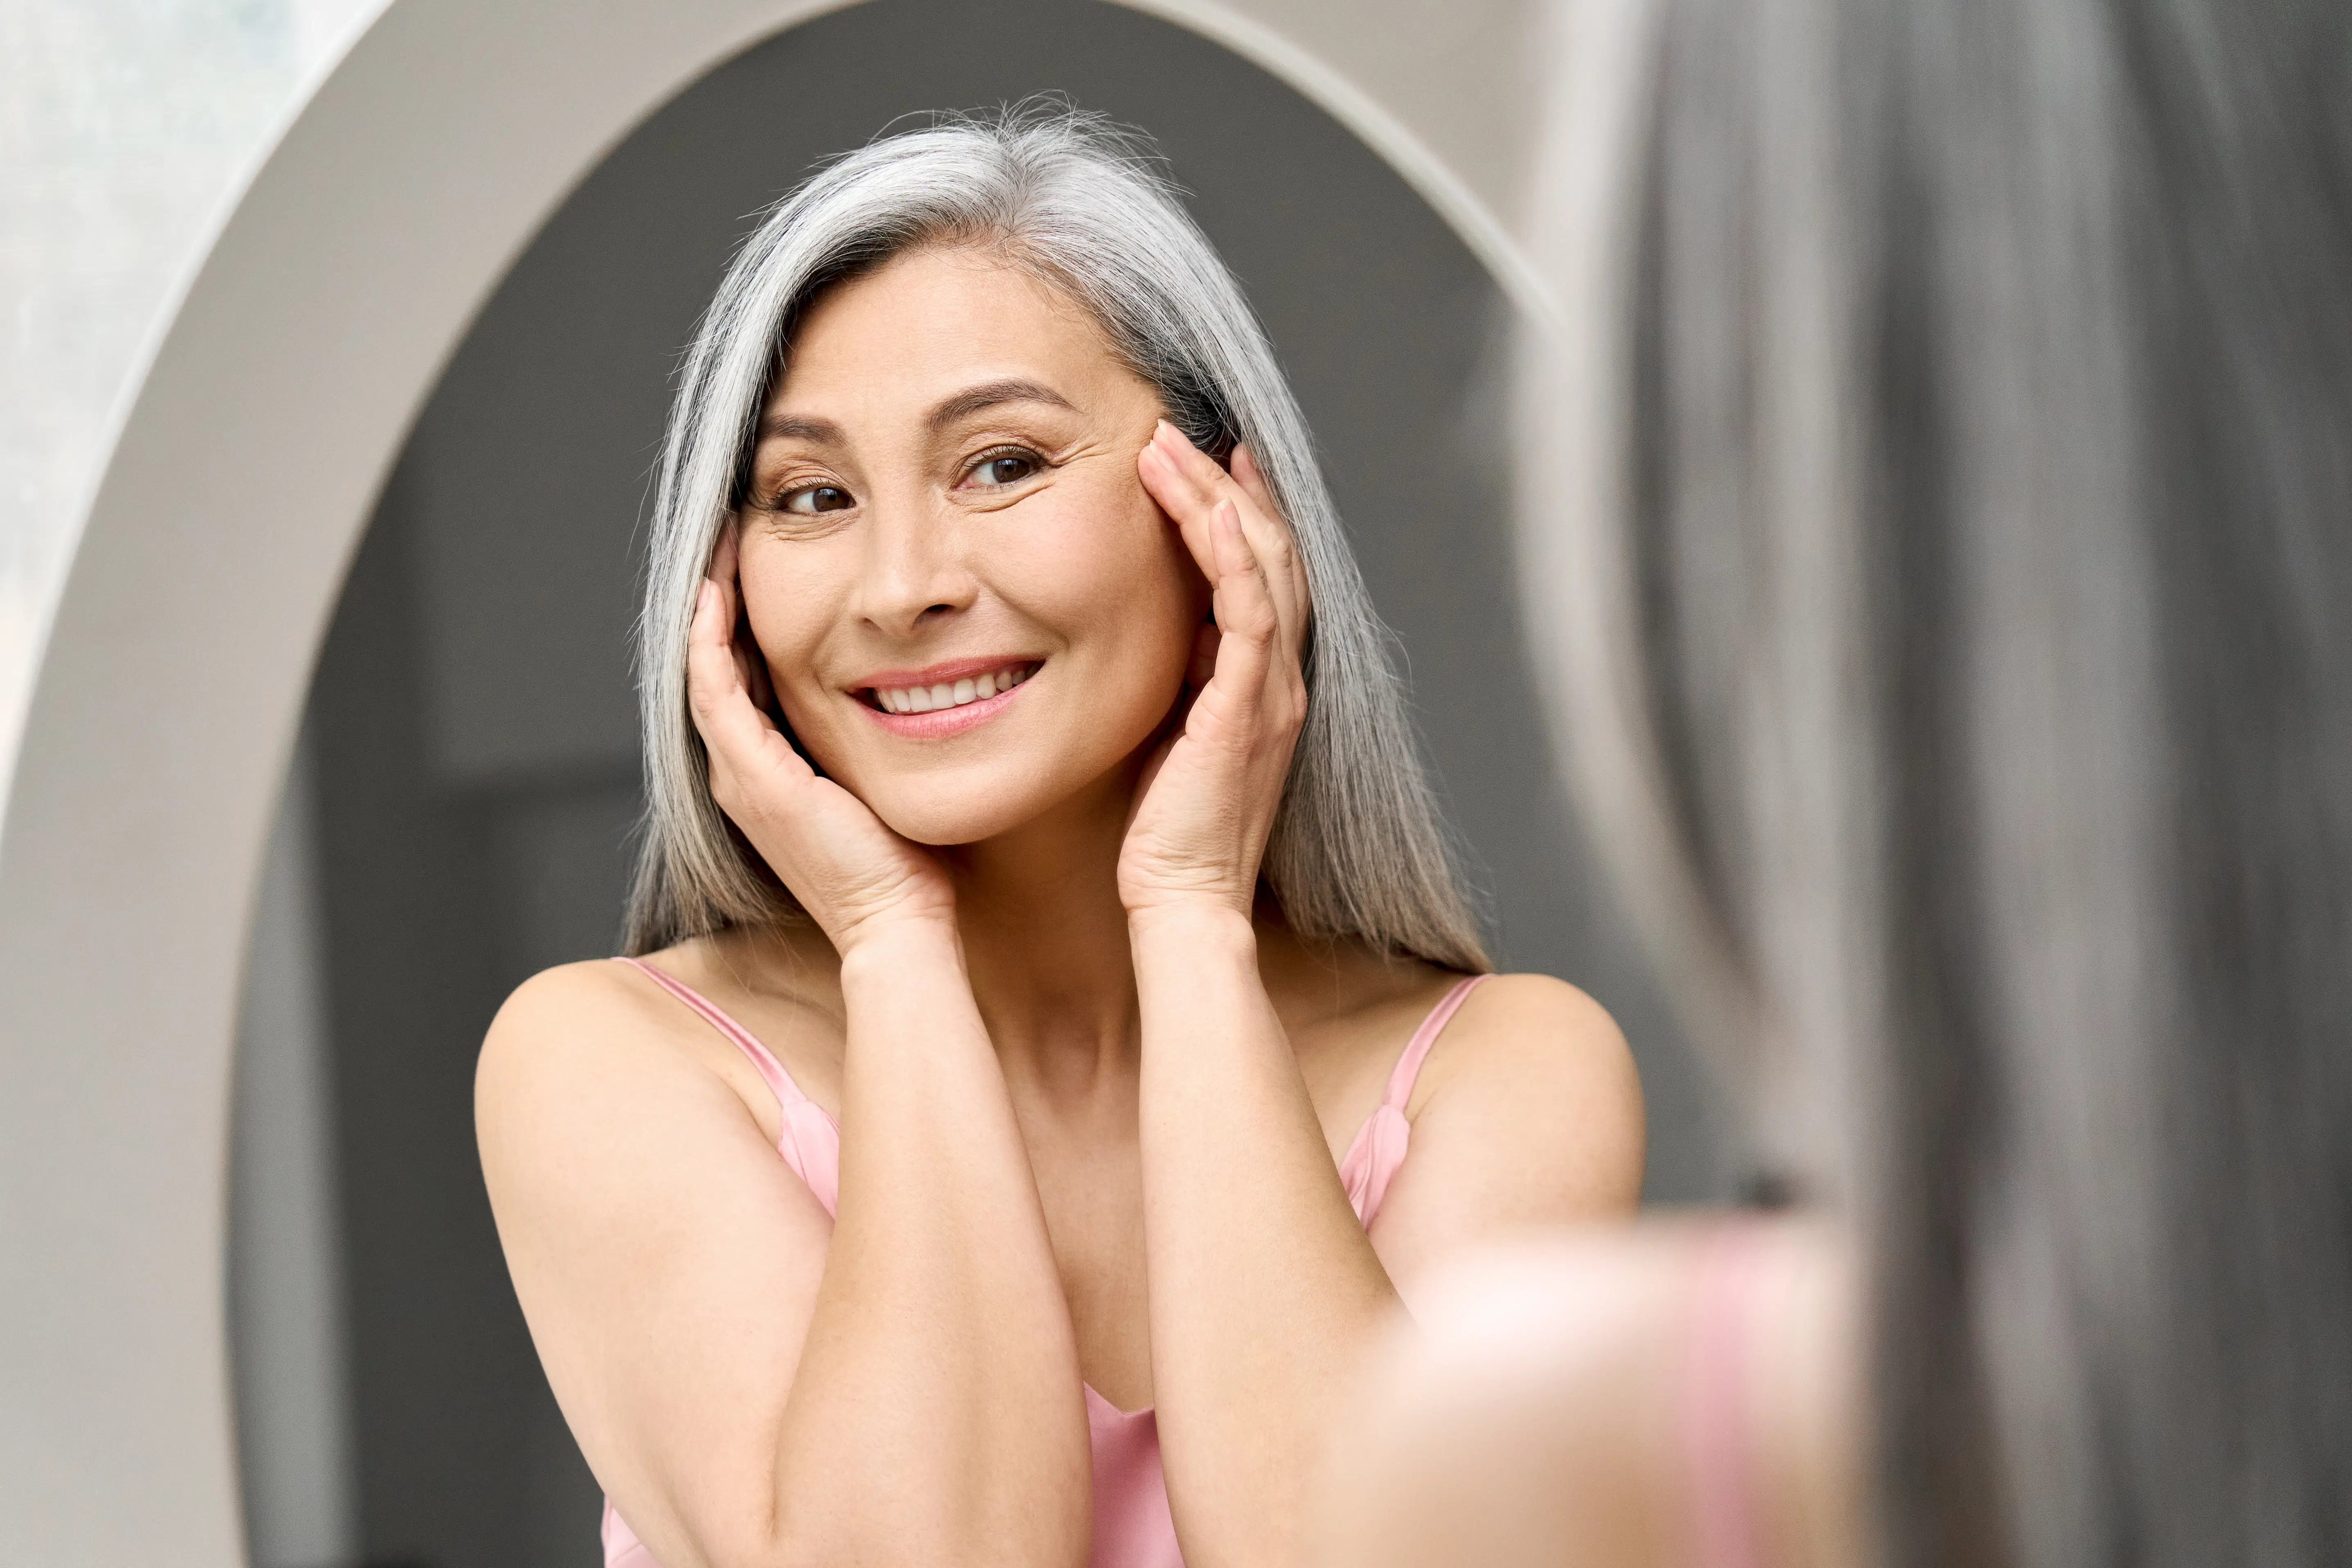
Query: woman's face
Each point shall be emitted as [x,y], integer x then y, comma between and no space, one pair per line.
[944,504]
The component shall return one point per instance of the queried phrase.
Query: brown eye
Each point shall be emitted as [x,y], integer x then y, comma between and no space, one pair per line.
[1006,468]
[814,499]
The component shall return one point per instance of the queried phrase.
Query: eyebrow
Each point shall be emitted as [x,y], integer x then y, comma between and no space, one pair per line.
[990,395]
[795,427]
[963,405]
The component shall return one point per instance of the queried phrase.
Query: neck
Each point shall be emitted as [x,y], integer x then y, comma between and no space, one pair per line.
[1044,939]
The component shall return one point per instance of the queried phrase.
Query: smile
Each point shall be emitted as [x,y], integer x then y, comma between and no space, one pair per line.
[919,697]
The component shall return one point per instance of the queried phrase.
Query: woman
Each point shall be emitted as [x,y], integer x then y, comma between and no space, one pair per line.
[1037,864]
[1939,493]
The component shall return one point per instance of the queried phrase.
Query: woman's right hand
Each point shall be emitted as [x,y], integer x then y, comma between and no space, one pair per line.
[852,875]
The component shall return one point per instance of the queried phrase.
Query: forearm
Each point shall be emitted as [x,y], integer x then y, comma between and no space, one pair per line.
[937,1413]
[1265,1292]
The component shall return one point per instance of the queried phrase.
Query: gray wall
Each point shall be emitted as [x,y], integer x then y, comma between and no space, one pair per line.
[471,723]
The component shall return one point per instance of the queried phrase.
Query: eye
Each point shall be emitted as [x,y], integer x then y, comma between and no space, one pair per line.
[810,499]
[1005,466]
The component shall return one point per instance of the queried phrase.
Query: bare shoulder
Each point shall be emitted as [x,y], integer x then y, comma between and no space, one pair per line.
[1534,1059]
[577,1019]
[1528,1116]
[589,1052]
[564,999]
[1538,1032]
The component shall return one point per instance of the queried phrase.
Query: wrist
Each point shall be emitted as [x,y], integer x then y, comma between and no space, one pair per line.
[1201,926]
[884,945]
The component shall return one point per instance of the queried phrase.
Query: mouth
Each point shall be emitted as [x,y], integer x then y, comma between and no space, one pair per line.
[909,694]
[944,700]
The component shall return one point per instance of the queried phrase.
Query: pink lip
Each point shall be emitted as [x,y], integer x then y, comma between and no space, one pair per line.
[941,722]
[946,674]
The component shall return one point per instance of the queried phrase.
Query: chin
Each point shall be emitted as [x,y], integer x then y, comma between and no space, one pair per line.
[972,800]
[941,817]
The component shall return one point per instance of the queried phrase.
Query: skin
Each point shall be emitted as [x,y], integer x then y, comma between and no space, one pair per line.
[1538,1412]
[1092,1090]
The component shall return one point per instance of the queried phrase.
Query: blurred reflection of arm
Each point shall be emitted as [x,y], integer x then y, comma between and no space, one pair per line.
[1676,1394]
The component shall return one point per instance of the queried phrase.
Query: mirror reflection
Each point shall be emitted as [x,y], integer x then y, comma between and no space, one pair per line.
[475,761]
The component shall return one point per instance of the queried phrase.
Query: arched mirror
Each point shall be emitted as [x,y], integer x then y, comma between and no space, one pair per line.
[456,814]
[469,775]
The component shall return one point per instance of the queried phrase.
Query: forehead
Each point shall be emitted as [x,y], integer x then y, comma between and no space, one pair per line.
[927,324]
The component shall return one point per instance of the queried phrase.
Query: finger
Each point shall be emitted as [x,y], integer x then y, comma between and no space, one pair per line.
[1252,479]
[740,741]
[1202,484]
[726,557]
[712,676]
[1186,479]
[735,614]
[1246,618]
[1189,486]
[1202,667]
[1185,502]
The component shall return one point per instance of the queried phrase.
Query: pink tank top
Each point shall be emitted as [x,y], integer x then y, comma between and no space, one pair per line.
[1132,1527]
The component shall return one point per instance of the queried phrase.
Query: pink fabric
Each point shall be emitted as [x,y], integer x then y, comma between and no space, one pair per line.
[1132,1526]
[1714,1404]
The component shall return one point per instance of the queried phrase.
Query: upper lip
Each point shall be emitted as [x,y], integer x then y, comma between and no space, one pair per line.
[946,674]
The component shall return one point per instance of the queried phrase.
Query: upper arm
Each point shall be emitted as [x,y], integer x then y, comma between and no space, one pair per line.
[1531,1117]
[665,1258]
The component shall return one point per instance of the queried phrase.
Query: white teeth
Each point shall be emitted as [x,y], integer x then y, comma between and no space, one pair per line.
[929,699]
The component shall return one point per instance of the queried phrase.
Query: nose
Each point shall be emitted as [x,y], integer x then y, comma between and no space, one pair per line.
[914,572]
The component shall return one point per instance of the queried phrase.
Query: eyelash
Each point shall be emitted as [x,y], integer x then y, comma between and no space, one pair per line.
[997,455]
[778,502]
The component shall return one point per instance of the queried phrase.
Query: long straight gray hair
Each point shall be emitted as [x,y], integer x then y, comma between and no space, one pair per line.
[1357,850]
[1941,491]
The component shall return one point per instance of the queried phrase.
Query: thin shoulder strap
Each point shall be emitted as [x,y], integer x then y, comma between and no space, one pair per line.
[1715,1398]
[788,1093]
[1416,1050]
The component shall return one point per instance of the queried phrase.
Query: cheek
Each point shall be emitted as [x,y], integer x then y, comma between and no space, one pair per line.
[790,597]
[1115,579]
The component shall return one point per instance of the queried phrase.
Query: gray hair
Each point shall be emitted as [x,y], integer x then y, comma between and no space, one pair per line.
[1357,850]
[1956,402]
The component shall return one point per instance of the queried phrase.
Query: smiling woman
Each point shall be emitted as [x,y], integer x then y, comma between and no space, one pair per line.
[951,457]
[994,1147]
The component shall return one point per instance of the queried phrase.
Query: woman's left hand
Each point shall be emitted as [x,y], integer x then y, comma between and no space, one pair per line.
[1206,803]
